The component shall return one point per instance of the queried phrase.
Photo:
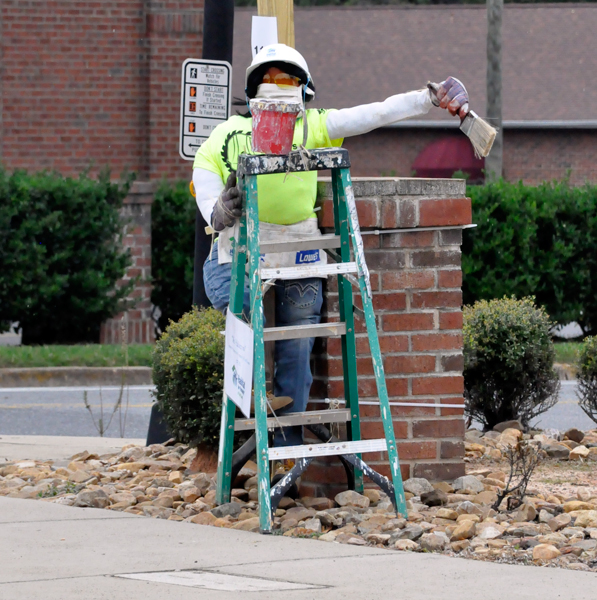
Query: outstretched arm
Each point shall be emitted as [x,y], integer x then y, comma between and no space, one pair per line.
[348,122]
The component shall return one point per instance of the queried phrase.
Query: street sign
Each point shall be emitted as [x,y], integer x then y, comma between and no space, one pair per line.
[205,101]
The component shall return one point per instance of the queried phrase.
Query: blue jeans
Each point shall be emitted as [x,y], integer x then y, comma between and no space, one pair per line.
[298,302]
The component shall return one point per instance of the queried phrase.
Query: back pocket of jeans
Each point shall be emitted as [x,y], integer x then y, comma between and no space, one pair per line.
[301,293]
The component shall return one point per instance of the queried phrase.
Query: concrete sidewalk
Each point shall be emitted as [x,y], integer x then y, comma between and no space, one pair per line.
[62,553]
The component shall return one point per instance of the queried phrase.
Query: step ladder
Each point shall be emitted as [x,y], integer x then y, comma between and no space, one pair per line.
[350,271]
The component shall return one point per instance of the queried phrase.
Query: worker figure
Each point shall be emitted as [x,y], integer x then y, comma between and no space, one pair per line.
[286,201]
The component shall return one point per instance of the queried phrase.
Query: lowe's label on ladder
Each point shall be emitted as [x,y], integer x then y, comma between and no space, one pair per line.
[238,363]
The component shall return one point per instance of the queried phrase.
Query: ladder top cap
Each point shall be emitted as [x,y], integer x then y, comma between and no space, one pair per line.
[315,160]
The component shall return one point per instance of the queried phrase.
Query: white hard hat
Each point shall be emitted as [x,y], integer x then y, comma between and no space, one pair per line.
[283,57]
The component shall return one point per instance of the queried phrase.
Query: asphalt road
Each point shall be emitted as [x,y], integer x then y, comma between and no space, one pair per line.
[566,413]
[61,411]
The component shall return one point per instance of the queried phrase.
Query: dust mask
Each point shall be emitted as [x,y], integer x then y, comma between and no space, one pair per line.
[272,91]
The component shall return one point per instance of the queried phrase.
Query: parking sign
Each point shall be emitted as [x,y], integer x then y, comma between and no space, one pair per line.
[205,101]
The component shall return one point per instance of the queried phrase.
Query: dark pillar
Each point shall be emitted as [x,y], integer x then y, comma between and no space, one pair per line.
[218,29]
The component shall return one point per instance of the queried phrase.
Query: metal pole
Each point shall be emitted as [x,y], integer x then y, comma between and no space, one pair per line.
[218,29]
[493,163]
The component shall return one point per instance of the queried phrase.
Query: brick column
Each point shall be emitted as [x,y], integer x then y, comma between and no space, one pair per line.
[416,279]
[137,238]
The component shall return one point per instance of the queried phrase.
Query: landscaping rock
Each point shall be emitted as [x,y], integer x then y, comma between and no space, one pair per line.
[556,450]
[229,508]
[251,524]
[433,542]
[468,482]
[407,545]
[299,513]
[317,503]
[464,531]
[412,532]
[501,427]
[579,453]
[545,552]
[352,498]
[205,518]
[373,495]
[559,522]
[576,435]
[434,498]
[92,499]
[417,486]
[526,512]
[313,524]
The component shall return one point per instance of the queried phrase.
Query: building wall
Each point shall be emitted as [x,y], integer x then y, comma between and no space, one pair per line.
[531,155]
[89,84]
[74,85]
[174,33]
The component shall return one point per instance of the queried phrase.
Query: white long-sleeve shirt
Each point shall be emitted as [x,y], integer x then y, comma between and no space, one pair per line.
[343,123]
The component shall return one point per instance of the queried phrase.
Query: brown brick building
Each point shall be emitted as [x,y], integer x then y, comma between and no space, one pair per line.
[91,83]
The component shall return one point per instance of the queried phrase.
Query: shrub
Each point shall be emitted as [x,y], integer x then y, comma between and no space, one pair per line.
[60,254]
[534,240]
[188,371]
[587,377]
[508,361]
[172,250]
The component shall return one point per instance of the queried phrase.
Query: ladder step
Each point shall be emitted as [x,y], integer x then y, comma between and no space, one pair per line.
[304,271]
[316,160]
[341,415]
[271,334]
[323,242]
[333,449]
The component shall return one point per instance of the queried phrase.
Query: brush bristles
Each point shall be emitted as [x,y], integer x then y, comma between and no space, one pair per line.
[482,136]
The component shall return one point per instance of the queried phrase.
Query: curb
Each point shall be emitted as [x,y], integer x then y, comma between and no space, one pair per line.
[74,376]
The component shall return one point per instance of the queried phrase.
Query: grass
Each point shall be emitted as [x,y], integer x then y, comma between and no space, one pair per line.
[112,355]
[88,355]
[567,352]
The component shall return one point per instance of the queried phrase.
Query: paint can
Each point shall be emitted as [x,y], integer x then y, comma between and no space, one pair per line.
[273,125]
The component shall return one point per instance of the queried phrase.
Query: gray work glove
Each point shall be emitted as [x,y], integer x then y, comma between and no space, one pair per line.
[228,208]
[452,95]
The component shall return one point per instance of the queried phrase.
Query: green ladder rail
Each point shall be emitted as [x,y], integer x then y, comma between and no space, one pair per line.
[345,247]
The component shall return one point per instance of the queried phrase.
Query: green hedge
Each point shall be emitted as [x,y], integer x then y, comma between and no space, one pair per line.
[60,254]
[508,361]
[534,241]
[188,372]
[587,377]
[172,250]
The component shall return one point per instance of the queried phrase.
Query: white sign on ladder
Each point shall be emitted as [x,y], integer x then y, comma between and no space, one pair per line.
[205,101]
[238,363]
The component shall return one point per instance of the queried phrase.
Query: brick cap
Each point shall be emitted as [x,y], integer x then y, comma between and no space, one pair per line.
[402,203]
[141,192]
[400,186]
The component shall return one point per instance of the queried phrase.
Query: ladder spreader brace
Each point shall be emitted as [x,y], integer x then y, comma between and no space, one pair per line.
[349,270]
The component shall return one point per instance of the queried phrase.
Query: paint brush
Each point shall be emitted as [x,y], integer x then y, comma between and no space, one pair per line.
[479,132]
